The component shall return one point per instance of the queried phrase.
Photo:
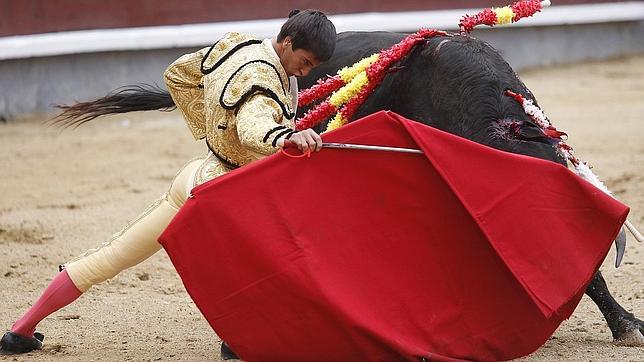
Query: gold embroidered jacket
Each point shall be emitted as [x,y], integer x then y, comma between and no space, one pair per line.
[234,94]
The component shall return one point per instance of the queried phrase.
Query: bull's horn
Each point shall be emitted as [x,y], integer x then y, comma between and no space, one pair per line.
[620,245]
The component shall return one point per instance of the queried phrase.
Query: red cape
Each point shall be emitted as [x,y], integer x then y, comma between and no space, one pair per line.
[464,252]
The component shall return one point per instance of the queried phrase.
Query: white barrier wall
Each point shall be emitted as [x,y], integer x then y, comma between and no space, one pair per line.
[38,71]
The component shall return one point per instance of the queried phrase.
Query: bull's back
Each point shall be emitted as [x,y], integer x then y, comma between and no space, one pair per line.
[455,83]
[438,77]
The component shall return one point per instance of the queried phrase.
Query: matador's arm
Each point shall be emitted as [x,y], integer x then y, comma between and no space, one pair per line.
[183,79]
[260,124]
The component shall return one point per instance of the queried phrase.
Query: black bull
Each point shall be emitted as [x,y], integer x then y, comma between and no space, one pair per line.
[457,84]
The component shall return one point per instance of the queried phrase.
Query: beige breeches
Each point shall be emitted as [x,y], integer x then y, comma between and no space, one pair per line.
[138,240]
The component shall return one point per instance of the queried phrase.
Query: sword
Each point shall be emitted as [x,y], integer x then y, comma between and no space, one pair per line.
[351,146]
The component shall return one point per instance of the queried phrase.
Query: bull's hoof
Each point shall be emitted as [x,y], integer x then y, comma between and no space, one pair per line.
[13,343]
[633,338]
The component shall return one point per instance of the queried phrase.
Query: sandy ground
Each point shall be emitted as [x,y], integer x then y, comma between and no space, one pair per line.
[63,193]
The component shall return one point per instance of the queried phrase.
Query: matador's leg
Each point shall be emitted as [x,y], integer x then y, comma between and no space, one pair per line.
[135,243]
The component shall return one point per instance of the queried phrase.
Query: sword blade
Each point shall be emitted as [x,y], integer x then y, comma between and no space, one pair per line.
[351,146]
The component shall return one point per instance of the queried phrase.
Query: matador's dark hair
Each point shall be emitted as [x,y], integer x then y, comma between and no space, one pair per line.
[310,30]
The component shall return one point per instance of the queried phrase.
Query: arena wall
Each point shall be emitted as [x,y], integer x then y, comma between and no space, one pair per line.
[20,17]
[40,70]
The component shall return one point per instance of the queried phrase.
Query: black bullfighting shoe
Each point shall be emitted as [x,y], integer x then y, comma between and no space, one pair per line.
[13,343]
[226,352]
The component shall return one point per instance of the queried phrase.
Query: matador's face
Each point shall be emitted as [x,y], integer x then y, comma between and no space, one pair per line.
[297,62]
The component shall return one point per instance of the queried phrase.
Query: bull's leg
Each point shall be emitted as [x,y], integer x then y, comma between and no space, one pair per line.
[626,329]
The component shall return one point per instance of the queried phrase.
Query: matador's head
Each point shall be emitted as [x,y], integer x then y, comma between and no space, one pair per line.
[306,40]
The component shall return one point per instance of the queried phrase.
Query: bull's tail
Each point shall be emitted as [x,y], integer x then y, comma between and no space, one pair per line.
[143,97]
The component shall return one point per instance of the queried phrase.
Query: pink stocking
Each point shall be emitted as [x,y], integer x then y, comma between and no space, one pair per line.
[59,293]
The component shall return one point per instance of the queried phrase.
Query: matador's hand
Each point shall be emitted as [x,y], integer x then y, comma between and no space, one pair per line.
[305,140]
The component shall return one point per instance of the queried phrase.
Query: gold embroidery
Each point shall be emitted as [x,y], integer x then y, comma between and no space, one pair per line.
[209,169]
[239,140]
[255,74]
[183,78]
